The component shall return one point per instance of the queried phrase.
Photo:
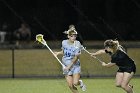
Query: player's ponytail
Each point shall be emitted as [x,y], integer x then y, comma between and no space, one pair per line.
[71,30]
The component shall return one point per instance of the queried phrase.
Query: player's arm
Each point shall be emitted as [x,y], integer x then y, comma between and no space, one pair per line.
[102,51]
[108,64]
[58,53]
[62,51]
[74,60]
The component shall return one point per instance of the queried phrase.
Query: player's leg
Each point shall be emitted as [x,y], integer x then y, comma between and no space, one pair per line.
[77,81]
[119,78]
[69,80]
[125,83]
[76,78]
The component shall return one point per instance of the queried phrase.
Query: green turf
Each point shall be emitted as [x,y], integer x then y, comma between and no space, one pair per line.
[60,86]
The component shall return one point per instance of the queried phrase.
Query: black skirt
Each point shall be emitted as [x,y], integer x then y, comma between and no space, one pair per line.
[127,69]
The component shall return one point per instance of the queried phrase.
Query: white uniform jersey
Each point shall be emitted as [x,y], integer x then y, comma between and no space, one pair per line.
[70,51]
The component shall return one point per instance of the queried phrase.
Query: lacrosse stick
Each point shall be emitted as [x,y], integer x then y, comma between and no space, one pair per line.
[41,40]
[83,48]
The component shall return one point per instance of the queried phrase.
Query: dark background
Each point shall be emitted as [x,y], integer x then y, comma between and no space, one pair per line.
[94,19]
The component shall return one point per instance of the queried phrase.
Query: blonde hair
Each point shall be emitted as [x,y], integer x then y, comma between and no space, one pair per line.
[72,32]
[69,32]
[114,44]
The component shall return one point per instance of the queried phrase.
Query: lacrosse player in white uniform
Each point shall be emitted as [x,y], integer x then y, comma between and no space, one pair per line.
[71,51]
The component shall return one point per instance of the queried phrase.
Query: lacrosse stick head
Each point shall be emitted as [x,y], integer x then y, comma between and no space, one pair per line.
[40,39]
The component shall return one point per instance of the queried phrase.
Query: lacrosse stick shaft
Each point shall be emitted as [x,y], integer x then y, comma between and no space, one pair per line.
[98,59]
[40,39]
[54,55]
[86,51]
[94,56]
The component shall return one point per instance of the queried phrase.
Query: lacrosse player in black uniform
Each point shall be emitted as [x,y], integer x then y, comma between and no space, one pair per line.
[125,64]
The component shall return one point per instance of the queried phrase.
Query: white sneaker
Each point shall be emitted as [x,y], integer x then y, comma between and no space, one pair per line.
[82,85]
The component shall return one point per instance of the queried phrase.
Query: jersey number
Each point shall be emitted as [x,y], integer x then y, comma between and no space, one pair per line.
[67,54]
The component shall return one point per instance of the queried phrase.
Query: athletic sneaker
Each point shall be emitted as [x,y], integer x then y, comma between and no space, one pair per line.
[82,85]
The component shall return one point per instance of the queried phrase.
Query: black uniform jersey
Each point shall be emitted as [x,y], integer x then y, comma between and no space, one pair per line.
[123,61]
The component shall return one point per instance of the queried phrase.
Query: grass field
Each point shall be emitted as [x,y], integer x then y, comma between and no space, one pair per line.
[32,85]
